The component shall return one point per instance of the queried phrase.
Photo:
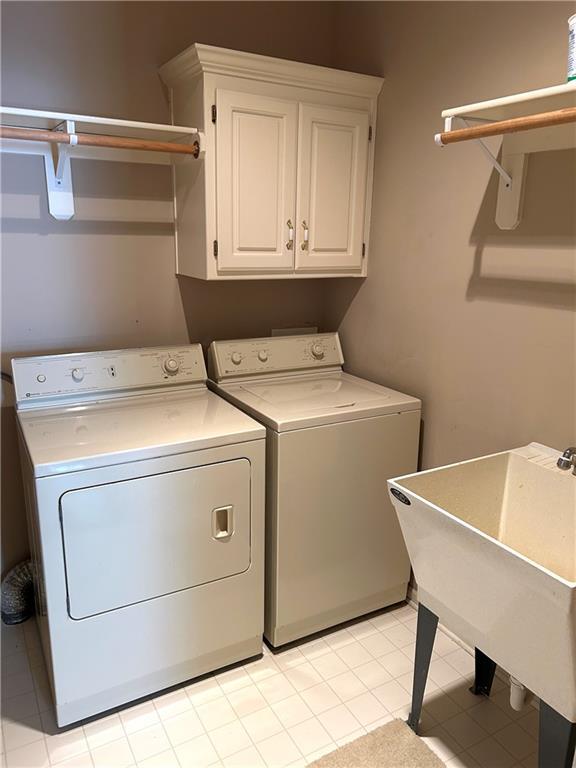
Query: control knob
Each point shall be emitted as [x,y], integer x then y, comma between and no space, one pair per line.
[317,351]
[171,365]
[262,355]
[236,358]
[77,374]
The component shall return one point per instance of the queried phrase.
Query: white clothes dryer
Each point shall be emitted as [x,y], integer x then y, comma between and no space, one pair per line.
[145,499]
[334,549]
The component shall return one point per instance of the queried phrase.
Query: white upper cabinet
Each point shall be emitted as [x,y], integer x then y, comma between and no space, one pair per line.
[332,175]
[255,182]
[283,187]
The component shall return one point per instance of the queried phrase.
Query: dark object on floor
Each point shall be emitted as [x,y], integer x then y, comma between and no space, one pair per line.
[18,594]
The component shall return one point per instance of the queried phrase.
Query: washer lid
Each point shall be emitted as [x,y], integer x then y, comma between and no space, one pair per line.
[304,401]
[73,438]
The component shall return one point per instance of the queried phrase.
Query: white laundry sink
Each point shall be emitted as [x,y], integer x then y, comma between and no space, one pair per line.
[492,542]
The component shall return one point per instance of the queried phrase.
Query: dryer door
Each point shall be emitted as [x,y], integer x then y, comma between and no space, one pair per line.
[139,539]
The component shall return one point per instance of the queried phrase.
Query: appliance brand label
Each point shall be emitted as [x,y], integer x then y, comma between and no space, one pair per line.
[400,496]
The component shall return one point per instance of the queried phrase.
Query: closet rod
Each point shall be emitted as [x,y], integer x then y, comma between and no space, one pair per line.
[96,140]
[513,125]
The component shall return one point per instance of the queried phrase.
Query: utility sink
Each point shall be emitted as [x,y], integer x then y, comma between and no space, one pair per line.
[492,542]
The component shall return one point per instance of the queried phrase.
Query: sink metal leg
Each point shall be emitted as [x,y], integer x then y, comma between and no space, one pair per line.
[425,634]
[484,674]
[557,739]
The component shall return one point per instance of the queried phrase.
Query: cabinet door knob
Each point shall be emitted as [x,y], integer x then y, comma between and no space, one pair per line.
[306,234]
[290,243]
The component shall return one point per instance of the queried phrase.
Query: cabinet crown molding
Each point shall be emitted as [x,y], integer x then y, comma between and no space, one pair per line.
[201,59]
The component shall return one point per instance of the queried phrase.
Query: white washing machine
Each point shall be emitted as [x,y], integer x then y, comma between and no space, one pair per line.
[145,499]
[334,549]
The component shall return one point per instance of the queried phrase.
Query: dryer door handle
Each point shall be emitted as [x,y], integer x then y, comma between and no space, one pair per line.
[222,522]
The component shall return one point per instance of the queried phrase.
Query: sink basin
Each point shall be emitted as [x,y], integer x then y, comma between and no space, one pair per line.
[492,542]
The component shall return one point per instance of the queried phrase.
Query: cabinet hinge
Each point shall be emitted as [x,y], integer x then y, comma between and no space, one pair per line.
[363,250]
[214,113]
[215,248]
[370,133]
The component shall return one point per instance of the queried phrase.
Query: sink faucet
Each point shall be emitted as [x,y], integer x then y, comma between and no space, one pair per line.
[568,459]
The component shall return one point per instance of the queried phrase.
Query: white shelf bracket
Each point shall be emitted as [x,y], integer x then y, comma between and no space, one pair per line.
[59,174]
[504,175]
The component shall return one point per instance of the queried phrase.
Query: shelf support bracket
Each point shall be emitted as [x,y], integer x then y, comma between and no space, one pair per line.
[504,175]
[512,172]
[59,174]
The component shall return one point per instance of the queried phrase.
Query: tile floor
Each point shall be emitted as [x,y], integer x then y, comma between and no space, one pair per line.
[283,710]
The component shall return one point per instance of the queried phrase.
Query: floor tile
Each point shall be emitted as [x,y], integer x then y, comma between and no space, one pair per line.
[62,745]
[530,721]
[246,758]
[320,698]
[313,649]
[489,716]
[103,731]
[78,761]
[16,663]
[20,733]
[309,736]
[443,674]
[516,741]
[292,711]
[366,708]
[384,620]
[216,713]
[247,700]
[230,738]
[442,743]
[464,730]
[399,635]
[20,707]
[234,679]
[392,695]
[378,644]
[329,665]
[15,685]
[285,660]
[148,742]
[339,722]
[116,754]
[347,686]
[33,755]
[183,727]
[354,654]
[396,663]
[204,691]
[461,660]
[262,724]
[262,669]
[351,737]
[372,674]
[275,688]
[197,753]
[279,750]
[362,629]
[462,760]
[139,717]
[172,704]
[304,675]
[339,639]
[444,645]
[490,754]
[441,706]
[165,759]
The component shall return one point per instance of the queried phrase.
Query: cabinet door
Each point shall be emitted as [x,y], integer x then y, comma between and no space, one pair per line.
[255,181]
[332,175]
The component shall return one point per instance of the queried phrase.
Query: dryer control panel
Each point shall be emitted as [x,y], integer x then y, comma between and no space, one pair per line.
[274,354]
[94,374]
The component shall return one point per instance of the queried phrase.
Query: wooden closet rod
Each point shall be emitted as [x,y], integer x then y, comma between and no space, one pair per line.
[513,125]
[96,140]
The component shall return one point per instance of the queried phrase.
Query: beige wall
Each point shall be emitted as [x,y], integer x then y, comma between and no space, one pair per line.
[106,278]
[477,322]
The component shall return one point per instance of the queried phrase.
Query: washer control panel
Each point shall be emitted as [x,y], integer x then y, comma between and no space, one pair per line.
[276,354]
[53,376]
